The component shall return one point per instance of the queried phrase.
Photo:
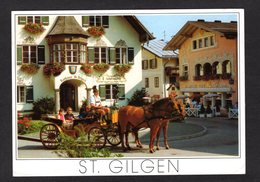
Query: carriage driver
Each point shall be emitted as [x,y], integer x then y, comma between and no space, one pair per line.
[95,103]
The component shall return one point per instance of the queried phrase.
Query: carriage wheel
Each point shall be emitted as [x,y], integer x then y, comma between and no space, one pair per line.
[97,137]
[49,136]
[113,136]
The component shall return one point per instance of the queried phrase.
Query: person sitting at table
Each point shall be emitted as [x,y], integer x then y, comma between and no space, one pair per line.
[69,117]
[95,103]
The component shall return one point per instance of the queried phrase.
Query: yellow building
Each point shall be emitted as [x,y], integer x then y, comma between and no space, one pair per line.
[160,69]
[208,60]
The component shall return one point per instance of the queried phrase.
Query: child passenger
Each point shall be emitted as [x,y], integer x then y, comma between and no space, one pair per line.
[69,117]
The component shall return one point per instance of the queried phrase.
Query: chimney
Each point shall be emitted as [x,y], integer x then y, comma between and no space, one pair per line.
[217,21]
[201,20]
[233,21]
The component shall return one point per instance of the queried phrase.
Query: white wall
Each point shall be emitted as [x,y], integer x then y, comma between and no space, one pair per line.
[119,29]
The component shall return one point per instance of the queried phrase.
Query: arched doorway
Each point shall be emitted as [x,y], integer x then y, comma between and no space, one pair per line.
[72,93]
[67,96]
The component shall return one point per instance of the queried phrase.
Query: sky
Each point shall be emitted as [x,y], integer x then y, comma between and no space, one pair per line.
[168,25]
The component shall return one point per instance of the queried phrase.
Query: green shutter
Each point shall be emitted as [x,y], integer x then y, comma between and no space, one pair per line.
[121,89]
[102,92]
[19,55]
[105,21]
[21,20]
[29,94]
[112,55]
[45,20]
[41,54]
[91,55]
[130,55]
[85,21]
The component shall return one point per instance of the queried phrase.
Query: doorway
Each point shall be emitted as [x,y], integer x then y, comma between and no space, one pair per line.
[67,96]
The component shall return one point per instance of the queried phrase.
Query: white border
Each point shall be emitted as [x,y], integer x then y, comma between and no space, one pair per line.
[184,165]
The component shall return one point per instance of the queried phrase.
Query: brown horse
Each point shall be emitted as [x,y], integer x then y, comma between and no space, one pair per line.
[152,116]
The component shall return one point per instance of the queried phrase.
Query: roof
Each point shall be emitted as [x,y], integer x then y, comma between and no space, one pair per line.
[145,35]
[67,25]
[156,47]
[229,30]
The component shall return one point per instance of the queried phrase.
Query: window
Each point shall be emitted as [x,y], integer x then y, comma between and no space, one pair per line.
[27,54]
[69,53]
[194,43]
[206,42]
[200,43]
[121,56]
[156,82]
[20,94]
[22,20]
[96,21]
[203,43]
[185,70]
[107,91]
[146,82]
[100,55]
[212,42]
[153,63]
[24,94]
[58,53]
[145,64]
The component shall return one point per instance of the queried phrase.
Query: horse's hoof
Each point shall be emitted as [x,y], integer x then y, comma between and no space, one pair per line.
[157,148]
[151,151]
[129,148]
[167,147]
[124,149]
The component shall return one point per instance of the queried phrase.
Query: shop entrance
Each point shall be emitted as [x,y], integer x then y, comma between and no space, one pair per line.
[67,96]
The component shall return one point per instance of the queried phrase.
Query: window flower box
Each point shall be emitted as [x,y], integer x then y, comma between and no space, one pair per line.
[53,68]
[87,69]
[34,28]
[101,68]
[121,69]
[30,69]
[96,31]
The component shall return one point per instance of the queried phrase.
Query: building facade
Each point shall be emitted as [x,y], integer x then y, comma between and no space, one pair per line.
[208,60]
[160,69]
[63,57]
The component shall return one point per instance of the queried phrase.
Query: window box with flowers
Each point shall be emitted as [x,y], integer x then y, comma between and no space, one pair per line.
[34,28]
[30,69]
[101,68]
[87,69]
[122,69]
[53,68]
[96,31]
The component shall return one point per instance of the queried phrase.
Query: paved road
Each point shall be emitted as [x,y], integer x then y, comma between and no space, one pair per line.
[221,139]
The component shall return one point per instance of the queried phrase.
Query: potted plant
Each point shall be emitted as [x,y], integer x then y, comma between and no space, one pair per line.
[34,28]
[202,111]
[87,69]
[121,69]
[101,68]
[96,31]
[209,112]
[30,69]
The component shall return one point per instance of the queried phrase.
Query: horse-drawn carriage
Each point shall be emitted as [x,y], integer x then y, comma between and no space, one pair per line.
[129,118]
[98,133]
